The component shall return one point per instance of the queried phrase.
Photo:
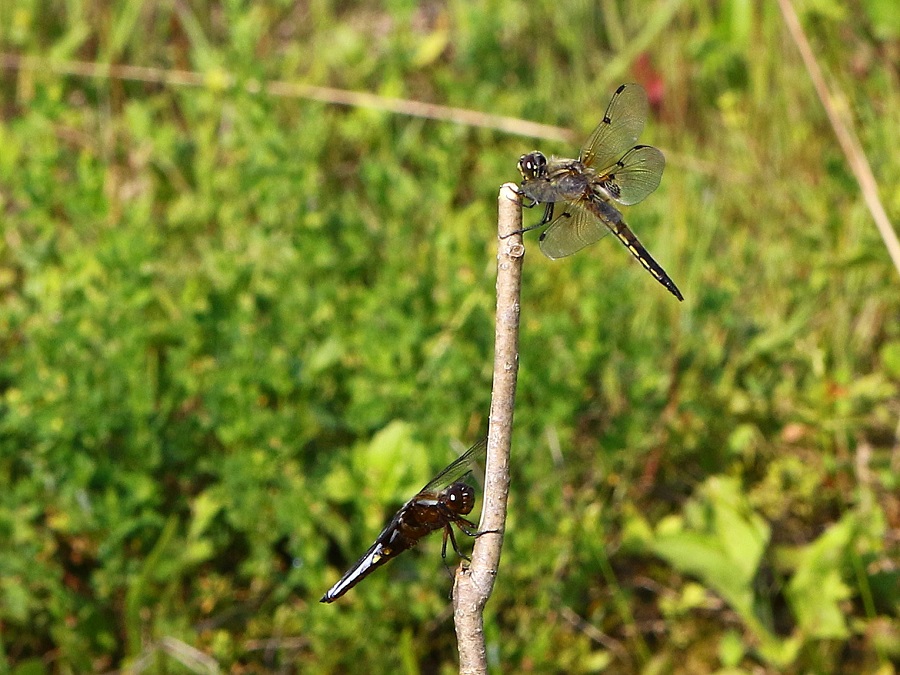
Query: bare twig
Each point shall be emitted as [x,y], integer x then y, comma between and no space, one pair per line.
[473,586]
[596,635]
[190,657]
[853,151]
[223,80]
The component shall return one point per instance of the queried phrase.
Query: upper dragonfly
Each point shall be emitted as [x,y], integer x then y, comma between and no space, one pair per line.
[609,168]
[444,501]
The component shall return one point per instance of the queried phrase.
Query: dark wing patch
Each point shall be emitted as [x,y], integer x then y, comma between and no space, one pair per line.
[634,176]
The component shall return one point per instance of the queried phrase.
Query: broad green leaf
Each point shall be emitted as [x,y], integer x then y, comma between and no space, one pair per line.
[816,589]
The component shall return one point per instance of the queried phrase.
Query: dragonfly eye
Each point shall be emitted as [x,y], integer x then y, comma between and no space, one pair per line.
[461,498]
[533,165]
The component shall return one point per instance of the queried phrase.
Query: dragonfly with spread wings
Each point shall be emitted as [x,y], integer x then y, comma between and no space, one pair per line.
[440,504]
[609,168]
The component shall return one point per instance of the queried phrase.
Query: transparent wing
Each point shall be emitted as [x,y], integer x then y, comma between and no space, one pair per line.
[619,129]
[571,231]
[459,468]
[634,176]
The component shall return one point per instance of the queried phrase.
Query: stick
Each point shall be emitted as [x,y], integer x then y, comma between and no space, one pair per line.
[846,137]
[220,79]
[473,586]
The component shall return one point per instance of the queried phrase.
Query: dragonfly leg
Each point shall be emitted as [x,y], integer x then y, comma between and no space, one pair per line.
[548,214]
[534,202]
[448,531]
[562,215]
[546,218]
[524,229]
[468,527]
[444,544]
[522,197]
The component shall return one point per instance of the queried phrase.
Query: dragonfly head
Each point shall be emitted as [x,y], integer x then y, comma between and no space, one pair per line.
[533,165]
[460,498]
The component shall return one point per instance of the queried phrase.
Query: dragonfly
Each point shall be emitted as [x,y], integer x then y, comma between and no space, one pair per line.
[610,168]
[443,502]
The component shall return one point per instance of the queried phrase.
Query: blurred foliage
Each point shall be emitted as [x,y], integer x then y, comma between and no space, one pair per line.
[236,332]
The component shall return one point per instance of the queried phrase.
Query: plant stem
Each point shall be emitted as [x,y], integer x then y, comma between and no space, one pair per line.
[843,131]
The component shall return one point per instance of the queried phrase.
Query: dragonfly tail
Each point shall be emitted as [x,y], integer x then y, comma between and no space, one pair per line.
[627,237]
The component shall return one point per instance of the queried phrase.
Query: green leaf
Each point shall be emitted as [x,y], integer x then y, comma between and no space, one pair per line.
[720,541]
[393,464]
[816,589]
[890,358]
[885,16]
[431,47]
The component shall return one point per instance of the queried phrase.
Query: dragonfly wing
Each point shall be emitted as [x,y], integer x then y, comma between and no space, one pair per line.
[458,468]
[571,231]
[619,129]
[635,175]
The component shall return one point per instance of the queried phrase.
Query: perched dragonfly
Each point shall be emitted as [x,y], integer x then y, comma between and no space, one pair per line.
[441,503]
[609,168]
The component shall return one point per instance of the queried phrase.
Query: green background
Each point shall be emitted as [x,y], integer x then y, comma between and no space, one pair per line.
[238,330]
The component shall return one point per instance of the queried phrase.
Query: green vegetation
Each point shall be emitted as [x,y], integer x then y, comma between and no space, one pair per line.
[237,330]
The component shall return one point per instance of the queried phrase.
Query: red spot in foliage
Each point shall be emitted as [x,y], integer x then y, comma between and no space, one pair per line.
[647,75]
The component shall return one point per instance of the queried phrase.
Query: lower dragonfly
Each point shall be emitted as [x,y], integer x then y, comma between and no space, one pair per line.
[440,504]
[609,168]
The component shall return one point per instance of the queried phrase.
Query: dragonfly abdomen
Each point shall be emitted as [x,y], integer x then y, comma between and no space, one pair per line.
[614,221]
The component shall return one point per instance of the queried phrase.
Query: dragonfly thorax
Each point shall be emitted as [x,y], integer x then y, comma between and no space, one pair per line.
[533,165]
